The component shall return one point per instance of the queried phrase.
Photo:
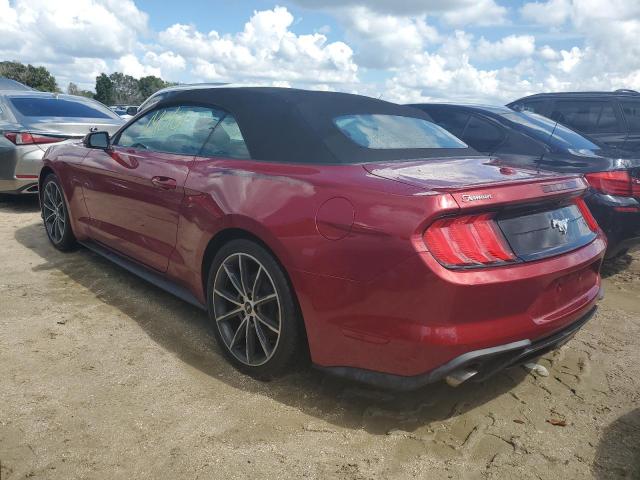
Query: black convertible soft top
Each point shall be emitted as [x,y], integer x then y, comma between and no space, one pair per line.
[291,125]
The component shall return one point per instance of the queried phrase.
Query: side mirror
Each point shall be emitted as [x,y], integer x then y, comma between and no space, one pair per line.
[132,111]
[97,140]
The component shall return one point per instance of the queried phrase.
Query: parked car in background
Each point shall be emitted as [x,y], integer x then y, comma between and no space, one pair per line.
[126,112]
[612,118]
[526,139]
[340,225]
[8,84]
[31,121]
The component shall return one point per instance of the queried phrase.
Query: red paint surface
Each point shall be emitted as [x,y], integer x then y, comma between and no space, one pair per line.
[375,298]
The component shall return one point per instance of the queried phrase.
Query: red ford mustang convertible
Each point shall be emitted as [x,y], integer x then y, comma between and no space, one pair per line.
[348,227]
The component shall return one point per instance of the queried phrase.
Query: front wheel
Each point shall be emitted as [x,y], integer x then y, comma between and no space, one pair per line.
[252,306]
[56,215]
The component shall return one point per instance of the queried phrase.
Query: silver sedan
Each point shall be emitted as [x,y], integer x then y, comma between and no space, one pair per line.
[31,121]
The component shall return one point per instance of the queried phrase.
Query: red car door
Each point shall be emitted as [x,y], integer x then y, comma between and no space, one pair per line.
[134,189]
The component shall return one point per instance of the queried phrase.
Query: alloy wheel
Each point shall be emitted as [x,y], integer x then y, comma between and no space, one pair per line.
[247,310]
[53,211]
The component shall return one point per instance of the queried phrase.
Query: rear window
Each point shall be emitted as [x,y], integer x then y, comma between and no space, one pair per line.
[388,132]
[58,107]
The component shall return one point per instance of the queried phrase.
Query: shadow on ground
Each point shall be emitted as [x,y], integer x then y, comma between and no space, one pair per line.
[19,203]
[616,265]
[185,331]
[618,453]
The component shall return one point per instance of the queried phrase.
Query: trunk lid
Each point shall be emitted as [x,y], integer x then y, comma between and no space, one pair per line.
[70,128]
[537,213]
[453,173]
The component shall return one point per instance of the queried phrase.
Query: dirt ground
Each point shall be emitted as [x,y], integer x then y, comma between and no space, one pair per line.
[105,376]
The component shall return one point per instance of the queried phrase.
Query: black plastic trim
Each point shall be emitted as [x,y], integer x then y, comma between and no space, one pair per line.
[145,273]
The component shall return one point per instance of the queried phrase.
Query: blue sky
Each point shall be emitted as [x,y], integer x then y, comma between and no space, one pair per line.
[402,50]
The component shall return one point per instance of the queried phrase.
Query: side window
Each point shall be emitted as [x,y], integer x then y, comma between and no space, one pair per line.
[452,121]
[586,116]
[631,111]
[535,106]
[226,141]
[181,130]
[482,135]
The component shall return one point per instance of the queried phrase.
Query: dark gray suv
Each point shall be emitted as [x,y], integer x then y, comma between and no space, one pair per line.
[31,121]
[612,118]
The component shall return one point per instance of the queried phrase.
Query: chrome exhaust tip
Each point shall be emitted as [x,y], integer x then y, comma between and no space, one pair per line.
[460,376]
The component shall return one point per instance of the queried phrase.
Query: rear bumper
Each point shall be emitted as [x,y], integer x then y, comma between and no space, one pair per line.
[419,316]
[622,228]
[486,362]
[19,167]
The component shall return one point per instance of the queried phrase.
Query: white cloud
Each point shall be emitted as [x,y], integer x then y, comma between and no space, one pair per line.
[130,65]
[384,40]
[402,50]
[548,53]
[167,61]
[265,49]
[478,13]
[552,12]
[512,46]
[570,59]
[42,29]
[409,7]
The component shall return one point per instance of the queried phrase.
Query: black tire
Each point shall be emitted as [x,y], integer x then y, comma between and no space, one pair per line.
[291,340]
[53,204]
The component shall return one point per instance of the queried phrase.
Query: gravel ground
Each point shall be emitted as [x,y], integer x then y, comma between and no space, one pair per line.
[105,376]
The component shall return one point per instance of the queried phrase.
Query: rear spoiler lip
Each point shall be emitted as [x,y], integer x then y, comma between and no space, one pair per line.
[581,183]
[518,192]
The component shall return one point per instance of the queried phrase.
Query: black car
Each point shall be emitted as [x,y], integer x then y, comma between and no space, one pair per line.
[527,139]
[613,118]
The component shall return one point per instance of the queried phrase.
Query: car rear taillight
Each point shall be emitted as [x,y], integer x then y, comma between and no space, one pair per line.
[587,215]
[28,138]
[468,241]
[618,182]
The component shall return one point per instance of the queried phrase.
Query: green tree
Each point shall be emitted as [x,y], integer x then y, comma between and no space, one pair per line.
[125,89]
[104,89]
[120,89]
[35,77]
[149,85]
[73,89]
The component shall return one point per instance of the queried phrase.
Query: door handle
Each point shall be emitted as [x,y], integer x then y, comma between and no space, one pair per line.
[165,183]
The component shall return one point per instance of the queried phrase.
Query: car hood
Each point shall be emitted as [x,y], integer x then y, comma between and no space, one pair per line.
[453,173]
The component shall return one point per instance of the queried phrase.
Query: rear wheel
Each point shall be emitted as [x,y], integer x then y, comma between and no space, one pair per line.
[56,215]
[251,304]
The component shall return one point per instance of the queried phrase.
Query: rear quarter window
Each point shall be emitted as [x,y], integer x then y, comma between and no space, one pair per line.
[533,106]
[386,132]
[483,135]
[452,121]
[631,111]
[586,116]
[58,107]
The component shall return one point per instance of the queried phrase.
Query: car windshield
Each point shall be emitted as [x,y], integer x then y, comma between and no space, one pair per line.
[549,131]
[395,132]
[58,107]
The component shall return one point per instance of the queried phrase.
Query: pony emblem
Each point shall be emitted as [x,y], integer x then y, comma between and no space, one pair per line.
[561,225]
